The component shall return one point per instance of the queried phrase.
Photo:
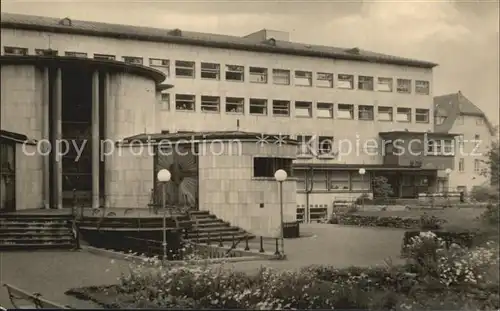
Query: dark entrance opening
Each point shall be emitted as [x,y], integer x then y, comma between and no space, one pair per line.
[7,175]
[77,135]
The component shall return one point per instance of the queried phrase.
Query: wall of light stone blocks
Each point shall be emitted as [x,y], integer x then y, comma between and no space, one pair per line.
[29,177]
[229,191]
[129,177]
[21,98]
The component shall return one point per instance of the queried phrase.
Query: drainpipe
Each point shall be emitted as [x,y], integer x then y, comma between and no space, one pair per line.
[309,188]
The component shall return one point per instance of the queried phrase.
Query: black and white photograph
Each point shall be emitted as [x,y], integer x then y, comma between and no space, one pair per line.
[250,154]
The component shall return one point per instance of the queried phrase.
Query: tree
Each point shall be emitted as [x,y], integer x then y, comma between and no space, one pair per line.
[492,164]
[381,188]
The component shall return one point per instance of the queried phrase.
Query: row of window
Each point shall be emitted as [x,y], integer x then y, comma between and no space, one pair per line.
[303,109]
[334,181]
[477,166]
[438,120]
[235,72]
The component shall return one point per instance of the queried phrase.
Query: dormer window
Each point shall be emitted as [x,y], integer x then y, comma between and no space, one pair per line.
[46,52]
[65,21]
[271,41]
[175,32]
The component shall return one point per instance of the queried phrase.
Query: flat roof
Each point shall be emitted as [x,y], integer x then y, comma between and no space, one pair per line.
[392,133]
[128,32]
[371,167]
[87,63]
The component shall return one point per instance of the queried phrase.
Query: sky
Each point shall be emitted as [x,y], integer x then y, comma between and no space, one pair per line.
[461,36]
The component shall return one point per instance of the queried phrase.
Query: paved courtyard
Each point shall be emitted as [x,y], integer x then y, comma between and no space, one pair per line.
[51,273]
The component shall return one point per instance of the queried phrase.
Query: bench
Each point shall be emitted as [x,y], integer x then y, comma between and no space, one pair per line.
[21,299]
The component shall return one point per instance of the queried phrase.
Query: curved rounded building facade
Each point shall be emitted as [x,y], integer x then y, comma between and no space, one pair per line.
[61,118]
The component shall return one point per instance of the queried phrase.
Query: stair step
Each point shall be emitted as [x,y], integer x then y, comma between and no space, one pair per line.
[215,229]
[216,235]
[13,247]
[4,235]
[224,239]
[33,229]
[32,223]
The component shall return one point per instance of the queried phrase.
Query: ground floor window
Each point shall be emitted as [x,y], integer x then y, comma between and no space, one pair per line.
[266,167]
[329,180]
[7,177]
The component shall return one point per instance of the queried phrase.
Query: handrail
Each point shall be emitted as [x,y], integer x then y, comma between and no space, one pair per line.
[35,298]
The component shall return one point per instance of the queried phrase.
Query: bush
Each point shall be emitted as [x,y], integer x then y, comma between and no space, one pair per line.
[389,221]
[484,194]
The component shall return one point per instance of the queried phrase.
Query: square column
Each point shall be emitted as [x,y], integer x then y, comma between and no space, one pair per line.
[56,143]
[46,137]
[95,141]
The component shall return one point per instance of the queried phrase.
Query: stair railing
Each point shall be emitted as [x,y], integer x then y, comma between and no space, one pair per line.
[235,244]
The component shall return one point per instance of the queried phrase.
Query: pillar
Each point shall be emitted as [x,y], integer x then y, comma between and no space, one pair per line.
[46,137]
[57,130]
[108,134]
[95,140]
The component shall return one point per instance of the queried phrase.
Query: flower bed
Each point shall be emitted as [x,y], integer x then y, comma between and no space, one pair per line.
[388,221]
[435,277]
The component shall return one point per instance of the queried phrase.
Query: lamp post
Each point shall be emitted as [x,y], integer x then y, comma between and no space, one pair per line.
[362,172]
[448,172]
[280,176]
[163,177]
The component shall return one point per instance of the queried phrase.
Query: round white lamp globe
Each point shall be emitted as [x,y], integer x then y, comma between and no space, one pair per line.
[362,171]
[448,171]
[164,175]
[280,175]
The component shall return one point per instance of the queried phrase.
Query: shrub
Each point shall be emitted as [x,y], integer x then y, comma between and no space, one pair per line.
[387,221]
[484,194]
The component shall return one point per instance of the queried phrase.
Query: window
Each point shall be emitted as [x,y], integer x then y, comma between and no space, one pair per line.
[266,167]
[258,75]
[403,114]
[132,60]
[324,79]
[235,105]
[448,147]
[365,113]
[325,144]
[210,71]
[235,73]
[161,64]
[184,102]
[438,120]
[345,111]
[384,113]
[281,108]
[104,57]
[210,104]
[306,144]
[365,83]
[165,101]
[360,182]
[460,141]
[320,180]
[434,147]
[281,76]
[345,81]
[301,179]
[477,141]
[384,84]
[477,166]
[339,180]
[9,50]
[422,87]
[46,52]
[303,78]
[324,110]
[461,165]
[422,115]
[404,86]
[479,121]
[303,109]
[76,54]
[184,69]
[258,106]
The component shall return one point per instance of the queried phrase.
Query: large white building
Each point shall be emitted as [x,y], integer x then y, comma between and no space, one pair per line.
[265,83]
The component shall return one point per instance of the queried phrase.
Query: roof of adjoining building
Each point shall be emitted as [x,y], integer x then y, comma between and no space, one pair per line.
[454,105]
[118,31]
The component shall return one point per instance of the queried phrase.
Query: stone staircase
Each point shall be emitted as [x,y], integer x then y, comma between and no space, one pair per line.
[208,228]
[31,232]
